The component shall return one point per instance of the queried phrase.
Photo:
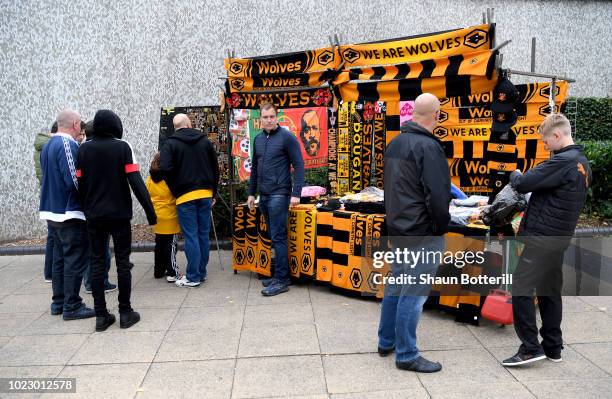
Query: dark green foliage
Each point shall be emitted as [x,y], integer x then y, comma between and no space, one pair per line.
[599,200]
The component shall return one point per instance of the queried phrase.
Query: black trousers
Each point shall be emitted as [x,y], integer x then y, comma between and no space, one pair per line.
[539,270]
[121,232]
[165,255]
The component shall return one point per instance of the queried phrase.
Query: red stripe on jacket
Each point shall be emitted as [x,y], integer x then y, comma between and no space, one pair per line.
[133,167]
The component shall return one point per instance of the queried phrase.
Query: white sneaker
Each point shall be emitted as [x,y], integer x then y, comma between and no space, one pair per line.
[171,279]
[183,282]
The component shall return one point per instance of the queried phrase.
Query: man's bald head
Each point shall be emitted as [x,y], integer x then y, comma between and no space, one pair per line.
[181,121]
[426,111]
[69,121]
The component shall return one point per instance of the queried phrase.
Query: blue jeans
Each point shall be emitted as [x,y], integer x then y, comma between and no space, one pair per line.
[49,253]
[403,304]
[70,259]
[194,219]
[107,264]
[276,211]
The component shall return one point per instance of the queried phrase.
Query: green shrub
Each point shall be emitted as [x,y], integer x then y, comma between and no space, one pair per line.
[599,200]
[593,118]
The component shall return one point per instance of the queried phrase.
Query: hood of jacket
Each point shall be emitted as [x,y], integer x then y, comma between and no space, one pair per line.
[40,141]
[187,135]
[156,175]
[107,124]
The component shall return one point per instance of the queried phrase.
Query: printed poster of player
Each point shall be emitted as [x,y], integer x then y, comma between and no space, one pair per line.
[309,125]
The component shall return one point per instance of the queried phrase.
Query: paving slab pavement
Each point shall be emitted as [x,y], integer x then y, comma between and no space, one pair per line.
[225,340]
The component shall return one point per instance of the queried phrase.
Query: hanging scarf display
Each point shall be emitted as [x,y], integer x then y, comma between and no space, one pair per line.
[421,47]
[530,148]
[297,62]
[528,93]
[344,148]
[356,123]
[380,134]
[297,80]
[332,139]
[410,89]
[479,63]
[472,175]
[482,132]
[529,112]
[282,99]
[263,265]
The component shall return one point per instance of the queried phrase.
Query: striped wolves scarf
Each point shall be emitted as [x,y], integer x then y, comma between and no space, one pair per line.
[394,51]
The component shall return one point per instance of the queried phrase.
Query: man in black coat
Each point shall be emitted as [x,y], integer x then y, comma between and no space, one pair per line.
[106,170]
[558,189]
[417,197]
[188,162]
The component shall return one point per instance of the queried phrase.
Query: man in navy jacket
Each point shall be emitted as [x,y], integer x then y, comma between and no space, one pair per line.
[60,207]
[275,150]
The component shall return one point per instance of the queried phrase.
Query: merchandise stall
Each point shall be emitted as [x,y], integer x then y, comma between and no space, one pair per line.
[345,103]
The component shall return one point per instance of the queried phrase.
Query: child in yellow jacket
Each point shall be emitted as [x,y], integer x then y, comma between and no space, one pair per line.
[167,227]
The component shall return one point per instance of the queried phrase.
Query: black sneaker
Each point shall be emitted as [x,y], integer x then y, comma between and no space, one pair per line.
[81,313]
[554,357]
[385,352]
[103,322]
[127,320]
[420,365]
[523,358]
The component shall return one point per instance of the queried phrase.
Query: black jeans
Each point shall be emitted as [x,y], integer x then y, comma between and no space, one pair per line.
[165,255]
[121,231]
[538,270]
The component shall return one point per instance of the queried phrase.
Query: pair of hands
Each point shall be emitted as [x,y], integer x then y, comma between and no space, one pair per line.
[251,202]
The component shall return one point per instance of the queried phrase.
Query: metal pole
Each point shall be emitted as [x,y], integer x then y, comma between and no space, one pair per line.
[539,75]
[533,53]
[212,220]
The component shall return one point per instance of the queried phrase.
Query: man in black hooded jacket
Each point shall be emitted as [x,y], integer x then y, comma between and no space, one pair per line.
[188,161]
[558,189]
[106,169]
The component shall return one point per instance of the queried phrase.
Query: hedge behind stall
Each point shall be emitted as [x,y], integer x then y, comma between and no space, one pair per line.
[599,200]
[593,118]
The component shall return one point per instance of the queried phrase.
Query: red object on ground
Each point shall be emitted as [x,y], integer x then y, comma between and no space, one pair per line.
[498,307]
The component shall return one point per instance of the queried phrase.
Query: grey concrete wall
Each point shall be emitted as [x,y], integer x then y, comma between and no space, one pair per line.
[137,56]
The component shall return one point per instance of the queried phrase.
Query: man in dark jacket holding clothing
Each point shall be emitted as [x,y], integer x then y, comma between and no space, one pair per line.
[558,189]
[106,169]
[417,196]
[188,161]
[275,150]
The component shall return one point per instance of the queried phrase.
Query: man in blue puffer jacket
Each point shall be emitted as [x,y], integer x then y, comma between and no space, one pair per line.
[275,150]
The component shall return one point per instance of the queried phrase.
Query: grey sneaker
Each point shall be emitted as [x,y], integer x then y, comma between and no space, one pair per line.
[275,289]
